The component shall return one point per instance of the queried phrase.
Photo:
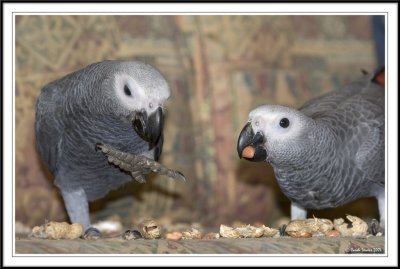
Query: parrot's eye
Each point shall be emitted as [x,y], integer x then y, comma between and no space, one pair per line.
[127,90]
[284,123]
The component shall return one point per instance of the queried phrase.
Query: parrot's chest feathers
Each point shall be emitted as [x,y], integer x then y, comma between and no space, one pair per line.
[314,187]
[89,167]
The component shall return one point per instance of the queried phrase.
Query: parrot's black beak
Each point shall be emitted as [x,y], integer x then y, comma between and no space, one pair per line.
[250,146]
[150,127]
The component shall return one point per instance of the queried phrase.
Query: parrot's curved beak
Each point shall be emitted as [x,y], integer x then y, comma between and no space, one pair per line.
[250,146]
[150,127]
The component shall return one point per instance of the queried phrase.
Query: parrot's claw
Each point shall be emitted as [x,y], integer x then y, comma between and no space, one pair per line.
[98,146]
[137,165]
[92,234]
[140,179]
[373,227]
[132,234]
[282,230]
[180,176]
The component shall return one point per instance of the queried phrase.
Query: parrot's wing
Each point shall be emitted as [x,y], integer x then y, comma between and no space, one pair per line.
[325,104]
[49,132]
[368,156]
[369,134]
[328,102]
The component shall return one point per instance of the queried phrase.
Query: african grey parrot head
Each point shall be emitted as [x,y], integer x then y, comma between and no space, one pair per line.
[133,90]
[278,134]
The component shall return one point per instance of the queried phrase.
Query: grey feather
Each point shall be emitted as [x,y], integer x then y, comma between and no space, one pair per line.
[334,153]
[348,148]
[85,107]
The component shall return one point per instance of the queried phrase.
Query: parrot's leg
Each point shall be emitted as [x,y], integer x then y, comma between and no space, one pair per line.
[78,211]
[374,226]
[77,206]
[282,230]
[381,206]
[297,212]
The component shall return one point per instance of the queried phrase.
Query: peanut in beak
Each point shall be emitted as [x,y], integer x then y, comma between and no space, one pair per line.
[248,152]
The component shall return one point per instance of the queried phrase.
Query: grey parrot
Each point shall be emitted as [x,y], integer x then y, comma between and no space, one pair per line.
[329,152]
[119,103]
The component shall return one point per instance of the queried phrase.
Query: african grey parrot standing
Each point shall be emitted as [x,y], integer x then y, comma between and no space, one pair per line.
[119,103]
[329,152]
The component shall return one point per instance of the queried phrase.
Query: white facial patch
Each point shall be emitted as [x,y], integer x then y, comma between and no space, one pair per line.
[128,91]
[269,120]
[133,96]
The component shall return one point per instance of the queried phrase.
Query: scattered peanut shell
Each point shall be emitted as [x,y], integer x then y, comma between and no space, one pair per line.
[228,232]
[298,229]
[64,230]
[250,231]
[248,152]
[318,226]
[192,234]
[332,233]
[57,230]
[269,232]
[308,227]
[246,231]
[301,235]
[211,236]
[150,229]
[38,232]
[359,228]
[173,236]
[318,234]
[180,226]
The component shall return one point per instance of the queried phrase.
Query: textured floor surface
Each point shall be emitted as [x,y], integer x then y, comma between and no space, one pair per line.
[285,245]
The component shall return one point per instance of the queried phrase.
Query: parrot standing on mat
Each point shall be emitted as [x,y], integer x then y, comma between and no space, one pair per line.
[119,103]
[329,152]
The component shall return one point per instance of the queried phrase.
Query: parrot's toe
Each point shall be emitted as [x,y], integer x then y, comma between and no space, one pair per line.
[92,234]
[374,227]
[98,146]
[132,234]
[282,230]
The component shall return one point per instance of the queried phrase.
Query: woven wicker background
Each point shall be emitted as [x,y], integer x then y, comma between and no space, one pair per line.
[219,68]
